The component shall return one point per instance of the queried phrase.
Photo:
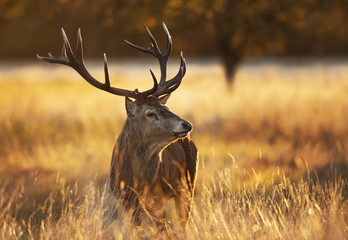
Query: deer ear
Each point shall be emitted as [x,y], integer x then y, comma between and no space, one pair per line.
[130,107]
[163,100]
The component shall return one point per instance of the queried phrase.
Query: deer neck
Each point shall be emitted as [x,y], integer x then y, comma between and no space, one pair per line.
[142,153]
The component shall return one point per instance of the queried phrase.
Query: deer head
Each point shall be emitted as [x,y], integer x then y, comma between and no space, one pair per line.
[147,112]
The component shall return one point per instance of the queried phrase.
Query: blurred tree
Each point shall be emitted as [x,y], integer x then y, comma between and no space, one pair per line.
[253,28]
[246,28]
[240,29]
[231,29]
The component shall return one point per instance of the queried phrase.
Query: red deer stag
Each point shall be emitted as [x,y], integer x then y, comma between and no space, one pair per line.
[153,159]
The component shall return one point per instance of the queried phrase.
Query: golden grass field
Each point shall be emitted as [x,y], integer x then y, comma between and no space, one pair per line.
[273,151]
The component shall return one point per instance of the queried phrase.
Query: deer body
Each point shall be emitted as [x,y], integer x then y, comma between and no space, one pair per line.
[153,159]
[148,166]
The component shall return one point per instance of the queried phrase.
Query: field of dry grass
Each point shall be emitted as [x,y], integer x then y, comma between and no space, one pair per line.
[273,151]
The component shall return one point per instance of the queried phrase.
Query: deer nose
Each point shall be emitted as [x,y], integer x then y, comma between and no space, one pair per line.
[187,126]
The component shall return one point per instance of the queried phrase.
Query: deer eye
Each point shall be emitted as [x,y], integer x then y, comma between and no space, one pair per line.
[151,115]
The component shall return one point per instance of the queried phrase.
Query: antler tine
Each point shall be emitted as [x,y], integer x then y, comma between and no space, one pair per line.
[76,62]
[79,50]
[154,44]
[147,50]
[163,57]
[169,90]
[169,40]
[155,51]
[106,72]
[68,50]
[63,59]
[171,85]
[180,74]
[63,53]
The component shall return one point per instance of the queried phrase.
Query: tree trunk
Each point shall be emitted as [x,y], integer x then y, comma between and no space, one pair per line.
[229,55]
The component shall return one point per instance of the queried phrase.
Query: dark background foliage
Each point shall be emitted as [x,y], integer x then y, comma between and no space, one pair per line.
[230,29]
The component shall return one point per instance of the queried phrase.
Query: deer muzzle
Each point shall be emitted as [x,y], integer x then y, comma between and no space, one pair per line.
[183,130]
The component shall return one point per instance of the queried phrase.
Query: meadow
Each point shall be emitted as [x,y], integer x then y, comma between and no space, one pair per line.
[273,150]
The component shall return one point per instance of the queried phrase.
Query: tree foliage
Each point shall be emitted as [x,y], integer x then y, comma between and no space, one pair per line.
[231,29]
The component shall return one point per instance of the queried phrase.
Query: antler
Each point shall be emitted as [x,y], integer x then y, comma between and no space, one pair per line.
[164,87]
[76,62]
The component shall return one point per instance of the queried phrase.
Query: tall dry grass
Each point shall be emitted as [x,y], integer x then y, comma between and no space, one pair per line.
[222,210]
[272,153]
